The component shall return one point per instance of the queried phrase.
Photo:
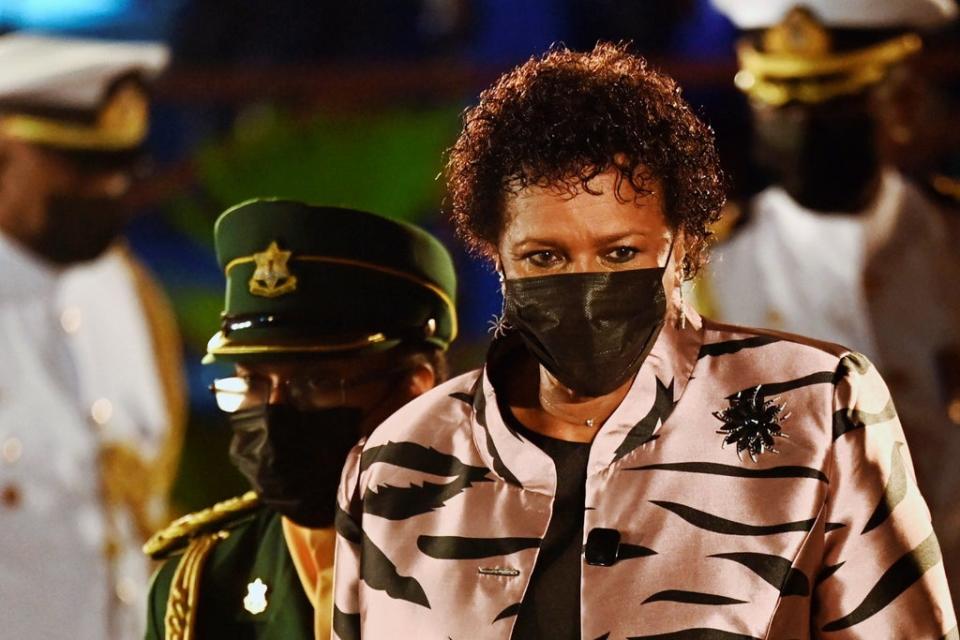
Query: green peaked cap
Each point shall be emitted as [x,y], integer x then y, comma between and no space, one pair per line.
[305,279]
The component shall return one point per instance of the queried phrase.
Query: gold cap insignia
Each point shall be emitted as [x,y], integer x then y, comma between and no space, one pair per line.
[256,599]
[799,34]
[272,277]
[797,62]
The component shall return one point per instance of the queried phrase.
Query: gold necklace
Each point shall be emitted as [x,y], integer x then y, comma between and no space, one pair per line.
[559,413]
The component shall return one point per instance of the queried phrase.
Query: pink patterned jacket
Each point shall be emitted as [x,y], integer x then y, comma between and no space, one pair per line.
[442,510]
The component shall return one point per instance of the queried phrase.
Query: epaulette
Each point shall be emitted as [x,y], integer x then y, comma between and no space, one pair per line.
[181,531]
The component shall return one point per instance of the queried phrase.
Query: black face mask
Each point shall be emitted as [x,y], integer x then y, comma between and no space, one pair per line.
[592,331]
[293,458]
[825,158]
[80,229]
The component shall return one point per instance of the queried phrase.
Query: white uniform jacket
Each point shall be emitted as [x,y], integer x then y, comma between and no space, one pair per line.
[885,282]
[91,414]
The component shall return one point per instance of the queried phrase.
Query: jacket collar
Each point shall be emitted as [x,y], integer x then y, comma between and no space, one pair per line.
[23,273]
[655,391]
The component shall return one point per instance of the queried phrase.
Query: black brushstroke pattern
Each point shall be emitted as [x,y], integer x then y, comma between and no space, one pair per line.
[398,503]
[463,396]
[833,526]
[852,362]
[480,408]
[346,625]
[715,468]
[642,432]
[509,612]
[627,551]
[346,526]
[691,597]
[775,570]
[895,580]
[379,573]
[827,572]
[776,388]
[603,637]
[696,634]
[460,548]
[893,493]
[415,457]
[847,420]
[710,522]
[732,346]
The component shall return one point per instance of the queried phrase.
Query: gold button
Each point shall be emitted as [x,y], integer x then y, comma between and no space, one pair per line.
[126,590]
[744,80]
[953,412]
[10,497]
[101,411]
[11,450]
[71,319]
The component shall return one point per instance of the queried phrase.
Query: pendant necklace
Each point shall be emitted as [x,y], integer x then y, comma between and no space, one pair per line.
[556,412]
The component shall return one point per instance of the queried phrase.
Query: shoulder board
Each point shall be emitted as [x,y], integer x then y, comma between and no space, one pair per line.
[179,532]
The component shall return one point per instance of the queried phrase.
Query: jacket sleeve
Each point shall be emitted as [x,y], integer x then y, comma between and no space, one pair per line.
[882,574]
[346,568]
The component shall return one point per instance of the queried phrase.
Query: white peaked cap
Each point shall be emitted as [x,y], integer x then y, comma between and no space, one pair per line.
[70,73]
[852,14]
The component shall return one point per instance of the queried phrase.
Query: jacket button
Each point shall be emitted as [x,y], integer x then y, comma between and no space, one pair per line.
[602,547]
[10,496]
[11,450]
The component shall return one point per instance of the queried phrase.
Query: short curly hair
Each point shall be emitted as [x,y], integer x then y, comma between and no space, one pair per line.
[562,119]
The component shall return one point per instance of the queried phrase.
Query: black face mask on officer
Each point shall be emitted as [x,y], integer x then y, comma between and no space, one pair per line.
[293,457]
[592,331]
[80,229]
[824,156]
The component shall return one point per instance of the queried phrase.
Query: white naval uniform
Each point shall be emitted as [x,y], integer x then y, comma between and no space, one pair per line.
[883,282]
[78,377]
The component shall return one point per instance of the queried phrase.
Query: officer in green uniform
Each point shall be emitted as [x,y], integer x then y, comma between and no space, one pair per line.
[334,319]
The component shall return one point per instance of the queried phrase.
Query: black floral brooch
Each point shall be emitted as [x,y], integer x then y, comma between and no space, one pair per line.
[752,422]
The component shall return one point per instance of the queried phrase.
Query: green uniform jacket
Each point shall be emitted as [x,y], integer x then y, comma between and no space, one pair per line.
[231,549]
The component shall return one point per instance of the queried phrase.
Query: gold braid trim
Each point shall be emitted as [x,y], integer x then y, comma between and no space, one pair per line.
[122,124]
[180,620]
[167,348]
[192,526]
[802,68]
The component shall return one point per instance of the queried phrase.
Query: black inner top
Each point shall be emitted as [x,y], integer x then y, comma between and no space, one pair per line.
[551,604]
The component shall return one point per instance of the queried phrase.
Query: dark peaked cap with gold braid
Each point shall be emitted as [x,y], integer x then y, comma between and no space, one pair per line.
[324,280]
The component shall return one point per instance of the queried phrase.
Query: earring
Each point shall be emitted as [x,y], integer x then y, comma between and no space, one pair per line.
[682,321]
[683,313]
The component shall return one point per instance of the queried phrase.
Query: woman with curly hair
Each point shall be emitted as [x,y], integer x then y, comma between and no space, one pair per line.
[621,467]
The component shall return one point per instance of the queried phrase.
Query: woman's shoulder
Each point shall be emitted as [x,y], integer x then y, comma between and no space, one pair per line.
[433,417]
[769,345]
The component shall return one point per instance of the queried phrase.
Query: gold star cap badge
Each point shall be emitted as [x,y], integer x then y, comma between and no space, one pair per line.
[256,599]
[272,277]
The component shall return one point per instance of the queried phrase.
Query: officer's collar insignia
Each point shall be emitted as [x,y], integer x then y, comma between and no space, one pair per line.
[751,422]
[256,599]
[272,277]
